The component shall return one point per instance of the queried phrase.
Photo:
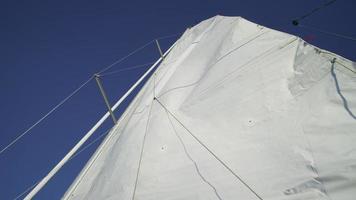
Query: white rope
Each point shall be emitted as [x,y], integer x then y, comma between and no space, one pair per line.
[45,116]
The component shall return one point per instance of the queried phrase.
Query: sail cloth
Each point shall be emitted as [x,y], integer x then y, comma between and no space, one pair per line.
[235,111]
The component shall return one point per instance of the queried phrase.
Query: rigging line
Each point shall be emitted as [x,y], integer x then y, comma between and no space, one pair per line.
[168,36]
[345,67]
[328,32]
[142,148]
[26,190]
[191,159]
[75,155]
[133,52]
[91,143]
[324,5]
[341,64]
[212,153]
[127,69]
[125,57]
[45,116]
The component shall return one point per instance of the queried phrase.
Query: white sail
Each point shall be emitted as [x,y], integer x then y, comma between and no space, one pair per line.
[241,112]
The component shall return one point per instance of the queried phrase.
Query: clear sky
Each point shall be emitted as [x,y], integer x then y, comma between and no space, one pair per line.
[48,48]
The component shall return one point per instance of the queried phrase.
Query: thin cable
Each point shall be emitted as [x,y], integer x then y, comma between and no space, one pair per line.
[25,191]
[324,5]
[341,64]
[191,159]
[75,155]
[168,36]
[45,116]
[212,153]
[125,57]
[142,148]
[328,32]
[133,52]
[346,67]
[127,69]
[89,144]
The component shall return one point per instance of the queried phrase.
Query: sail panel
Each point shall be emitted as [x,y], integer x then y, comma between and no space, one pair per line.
[241,112]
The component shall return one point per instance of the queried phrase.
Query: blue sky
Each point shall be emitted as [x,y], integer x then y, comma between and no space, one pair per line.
[48,48]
